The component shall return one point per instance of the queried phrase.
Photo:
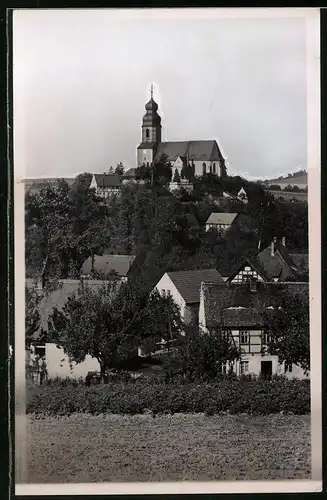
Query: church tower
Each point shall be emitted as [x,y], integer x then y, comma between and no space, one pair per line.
[151,133]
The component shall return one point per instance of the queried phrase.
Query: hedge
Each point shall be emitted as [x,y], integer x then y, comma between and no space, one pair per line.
[244,395]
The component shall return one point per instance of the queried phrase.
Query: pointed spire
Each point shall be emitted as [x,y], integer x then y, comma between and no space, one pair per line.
[151,90]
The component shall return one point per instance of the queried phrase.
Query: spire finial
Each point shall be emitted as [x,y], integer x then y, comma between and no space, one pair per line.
[151,90]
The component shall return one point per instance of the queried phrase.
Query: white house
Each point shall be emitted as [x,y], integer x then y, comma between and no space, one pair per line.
[57,362]
[242,196]
[220,221]
[237,308]
[184,288]
[106,184]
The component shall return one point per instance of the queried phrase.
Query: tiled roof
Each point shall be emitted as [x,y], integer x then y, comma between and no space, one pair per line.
[235,305]
[59,297]
[280,265]
[108,180]
[193,150]
[106,264]
[188,283]
[221,218]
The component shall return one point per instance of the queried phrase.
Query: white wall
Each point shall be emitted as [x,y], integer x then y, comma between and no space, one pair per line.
[58,364]
[144,156]
[165,283]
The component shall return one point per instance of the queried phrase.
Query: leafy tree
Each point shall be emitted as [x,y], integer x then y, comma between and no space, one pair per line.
[176,178]
[119,170]
[111,170]
[32,315]
[64,226]
[110,323]
[201,355]
[83,179]
[288,326]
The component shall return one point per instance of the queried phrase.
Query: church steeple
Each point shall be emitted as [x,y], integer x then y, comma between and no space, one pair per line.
[151,124]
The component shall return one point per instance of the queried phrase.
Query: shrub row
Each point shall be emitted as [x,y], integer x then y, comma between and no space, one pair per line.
[245,395]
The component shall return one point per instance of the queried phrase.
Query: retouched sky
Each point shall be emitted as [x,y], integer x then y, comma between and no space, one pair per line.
[82,77]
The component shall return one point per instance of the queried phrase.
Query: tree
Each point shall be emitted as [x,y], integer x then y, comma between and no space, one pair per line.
[288,326]
[176,178]
[64,225]
[110,323]
[201,355]
[32,315]
[119,170]
[111,170]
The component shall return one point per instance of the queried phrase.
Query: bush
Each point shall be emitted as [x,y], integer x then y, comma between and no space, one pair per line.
[228,394]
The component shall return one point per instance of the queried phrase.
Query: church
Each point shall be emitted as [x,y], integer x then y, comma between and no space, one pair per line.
[204,155]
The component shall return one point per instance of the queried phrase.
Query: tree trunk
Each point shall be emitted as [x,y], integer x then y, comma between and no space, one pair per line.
[102,373]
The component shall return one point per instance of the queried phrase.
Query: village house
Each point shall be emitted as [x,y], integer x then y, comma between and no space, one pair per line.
[274,263]
[220,221]
[57,362]
[106,267]
[242,196]
[238,309]
[106,185]
[184,288]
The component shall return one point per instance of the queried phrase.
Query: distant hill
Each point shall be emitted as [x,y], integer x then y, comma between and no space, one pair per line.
[295,176]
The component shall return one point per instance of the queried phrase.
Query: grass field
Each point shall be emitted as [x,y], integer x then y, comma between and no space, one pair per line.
[84,448]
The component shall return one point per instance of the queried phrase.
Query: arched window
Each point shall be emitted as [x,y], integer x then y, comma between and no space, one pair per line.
[147,133]
[210,169]
[214,168]
[204,168]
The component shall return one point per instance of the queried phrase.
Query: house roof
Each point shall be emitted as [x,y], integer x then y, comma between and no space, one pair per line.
[188,283]
[129,173]
[279,265]
[221,218]
[254,264]
[107,264]
[59,297]
[108,180]
[193,150]
[234,305]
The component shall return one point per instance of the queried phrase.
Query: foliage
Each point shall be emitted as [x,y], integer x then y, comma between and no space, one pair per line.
[200,356]
[228,394]
[64,226]
[289,327]
[119,170]
[109,324]
[32,315]
[176,178]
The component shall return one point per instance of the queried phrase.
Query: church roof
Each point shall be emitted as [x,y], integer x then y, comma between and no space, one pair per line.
[194,150]
[151,105]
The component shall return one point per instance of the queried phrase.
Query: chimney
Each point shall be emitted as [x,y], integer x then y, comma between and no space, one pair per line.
[273,243]
[283,241]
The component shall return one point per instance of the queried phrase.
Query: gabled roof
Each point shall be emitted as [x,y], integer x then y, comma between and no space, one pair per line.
[59,297]
[254,264]
[104,265]
[188,283]
[235,305]
[221,218]
[108,180]
[279,265]
[193,150]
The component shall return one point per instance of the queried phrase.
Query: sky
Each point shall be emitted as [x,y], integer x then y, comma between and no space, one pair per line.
[82,77]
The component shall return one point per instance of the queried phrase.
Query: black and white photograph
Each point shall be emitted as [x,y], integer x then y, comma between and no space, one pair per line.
[167,250]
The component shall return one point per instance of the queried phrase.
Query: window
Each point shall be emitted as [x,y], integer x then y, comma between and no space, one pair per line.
[210,169]
[204,168]
[147,133]
[223,368]
[163,293]
[214,168]
[265,338]
[244,337]
[244,365]
[288,367]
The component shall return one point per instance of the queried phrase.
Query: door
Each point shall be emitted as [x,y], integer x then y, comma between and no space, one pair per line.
[266,369]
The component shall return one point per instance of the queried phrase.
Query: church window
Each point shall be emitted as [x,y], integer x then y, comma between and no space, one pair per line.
[210,169]
[214,168]
[204,167]
[147,133]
